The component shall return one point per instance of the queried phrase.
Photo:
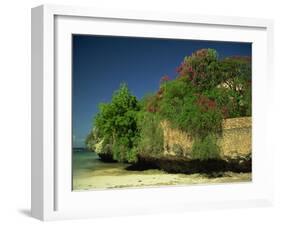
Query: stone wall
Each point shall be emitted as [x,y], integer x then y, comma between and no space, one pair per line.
[235,141]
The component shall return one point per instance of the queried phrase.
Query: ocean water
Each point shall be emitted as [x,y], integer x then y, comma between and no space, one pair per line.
[88,162]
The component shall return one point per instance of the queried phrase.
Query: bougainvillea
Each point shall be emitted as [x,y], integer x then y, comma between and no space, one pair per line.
[205,103]
[200,69]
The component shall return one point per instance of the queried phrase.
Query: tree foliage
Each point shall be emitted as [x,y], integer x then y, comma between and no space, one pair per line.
[116,124]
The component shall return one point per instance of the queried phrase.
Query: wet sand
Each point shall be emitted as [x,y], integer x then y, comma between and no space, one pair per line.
[90,173]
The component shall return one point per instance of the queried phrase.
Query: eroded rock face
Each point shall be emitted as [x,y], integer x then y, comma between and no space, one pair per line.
[176,142]
[235,141]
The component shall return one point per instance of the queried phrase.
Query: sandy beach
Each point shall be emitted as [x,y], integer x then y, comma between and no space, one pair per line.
[90,173]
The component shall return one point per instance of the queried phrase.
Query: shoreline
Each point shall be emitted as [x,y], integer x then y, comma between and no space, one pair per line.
[154,180]
[89,173]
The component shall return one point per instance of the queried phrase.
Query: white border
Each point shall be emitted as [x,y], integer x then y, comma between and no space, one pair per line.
[53,199]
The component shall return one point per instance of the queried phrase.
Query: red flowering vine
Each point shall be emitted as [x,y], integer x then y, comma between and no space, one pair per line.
[205,103]
[165,78]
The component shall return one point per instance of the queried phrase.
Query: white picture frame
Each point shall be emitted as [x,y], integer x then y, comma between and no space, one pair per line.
[52,197]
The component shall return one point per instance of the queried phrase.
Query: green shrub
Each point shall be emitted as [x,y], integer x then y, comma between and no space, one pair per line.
[177,149]
[151,134]
[132,155]
[189,111]
[205,148]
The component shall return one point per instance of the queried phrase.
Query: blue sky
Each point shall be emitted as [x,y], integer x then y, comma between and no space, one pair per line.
[101,63]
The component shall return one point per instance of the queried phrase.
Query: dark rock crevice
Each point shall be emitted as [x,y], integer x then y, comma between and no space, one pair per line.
[186,166]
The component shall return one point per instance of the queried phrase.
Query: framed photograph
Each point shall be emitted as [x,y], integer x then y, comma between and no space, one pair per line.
[137,112]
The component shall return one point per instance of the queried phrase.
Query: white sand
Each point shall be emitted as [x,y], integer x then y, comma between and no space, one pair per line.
[119,179]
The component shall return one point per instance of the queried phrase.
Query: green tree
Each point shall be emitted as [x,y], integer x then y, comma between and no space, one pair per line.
[235,73]
[117,124]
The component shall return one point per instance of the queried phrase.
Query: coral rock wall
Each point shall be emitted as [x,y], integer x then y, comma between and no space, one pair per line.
[235,141]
